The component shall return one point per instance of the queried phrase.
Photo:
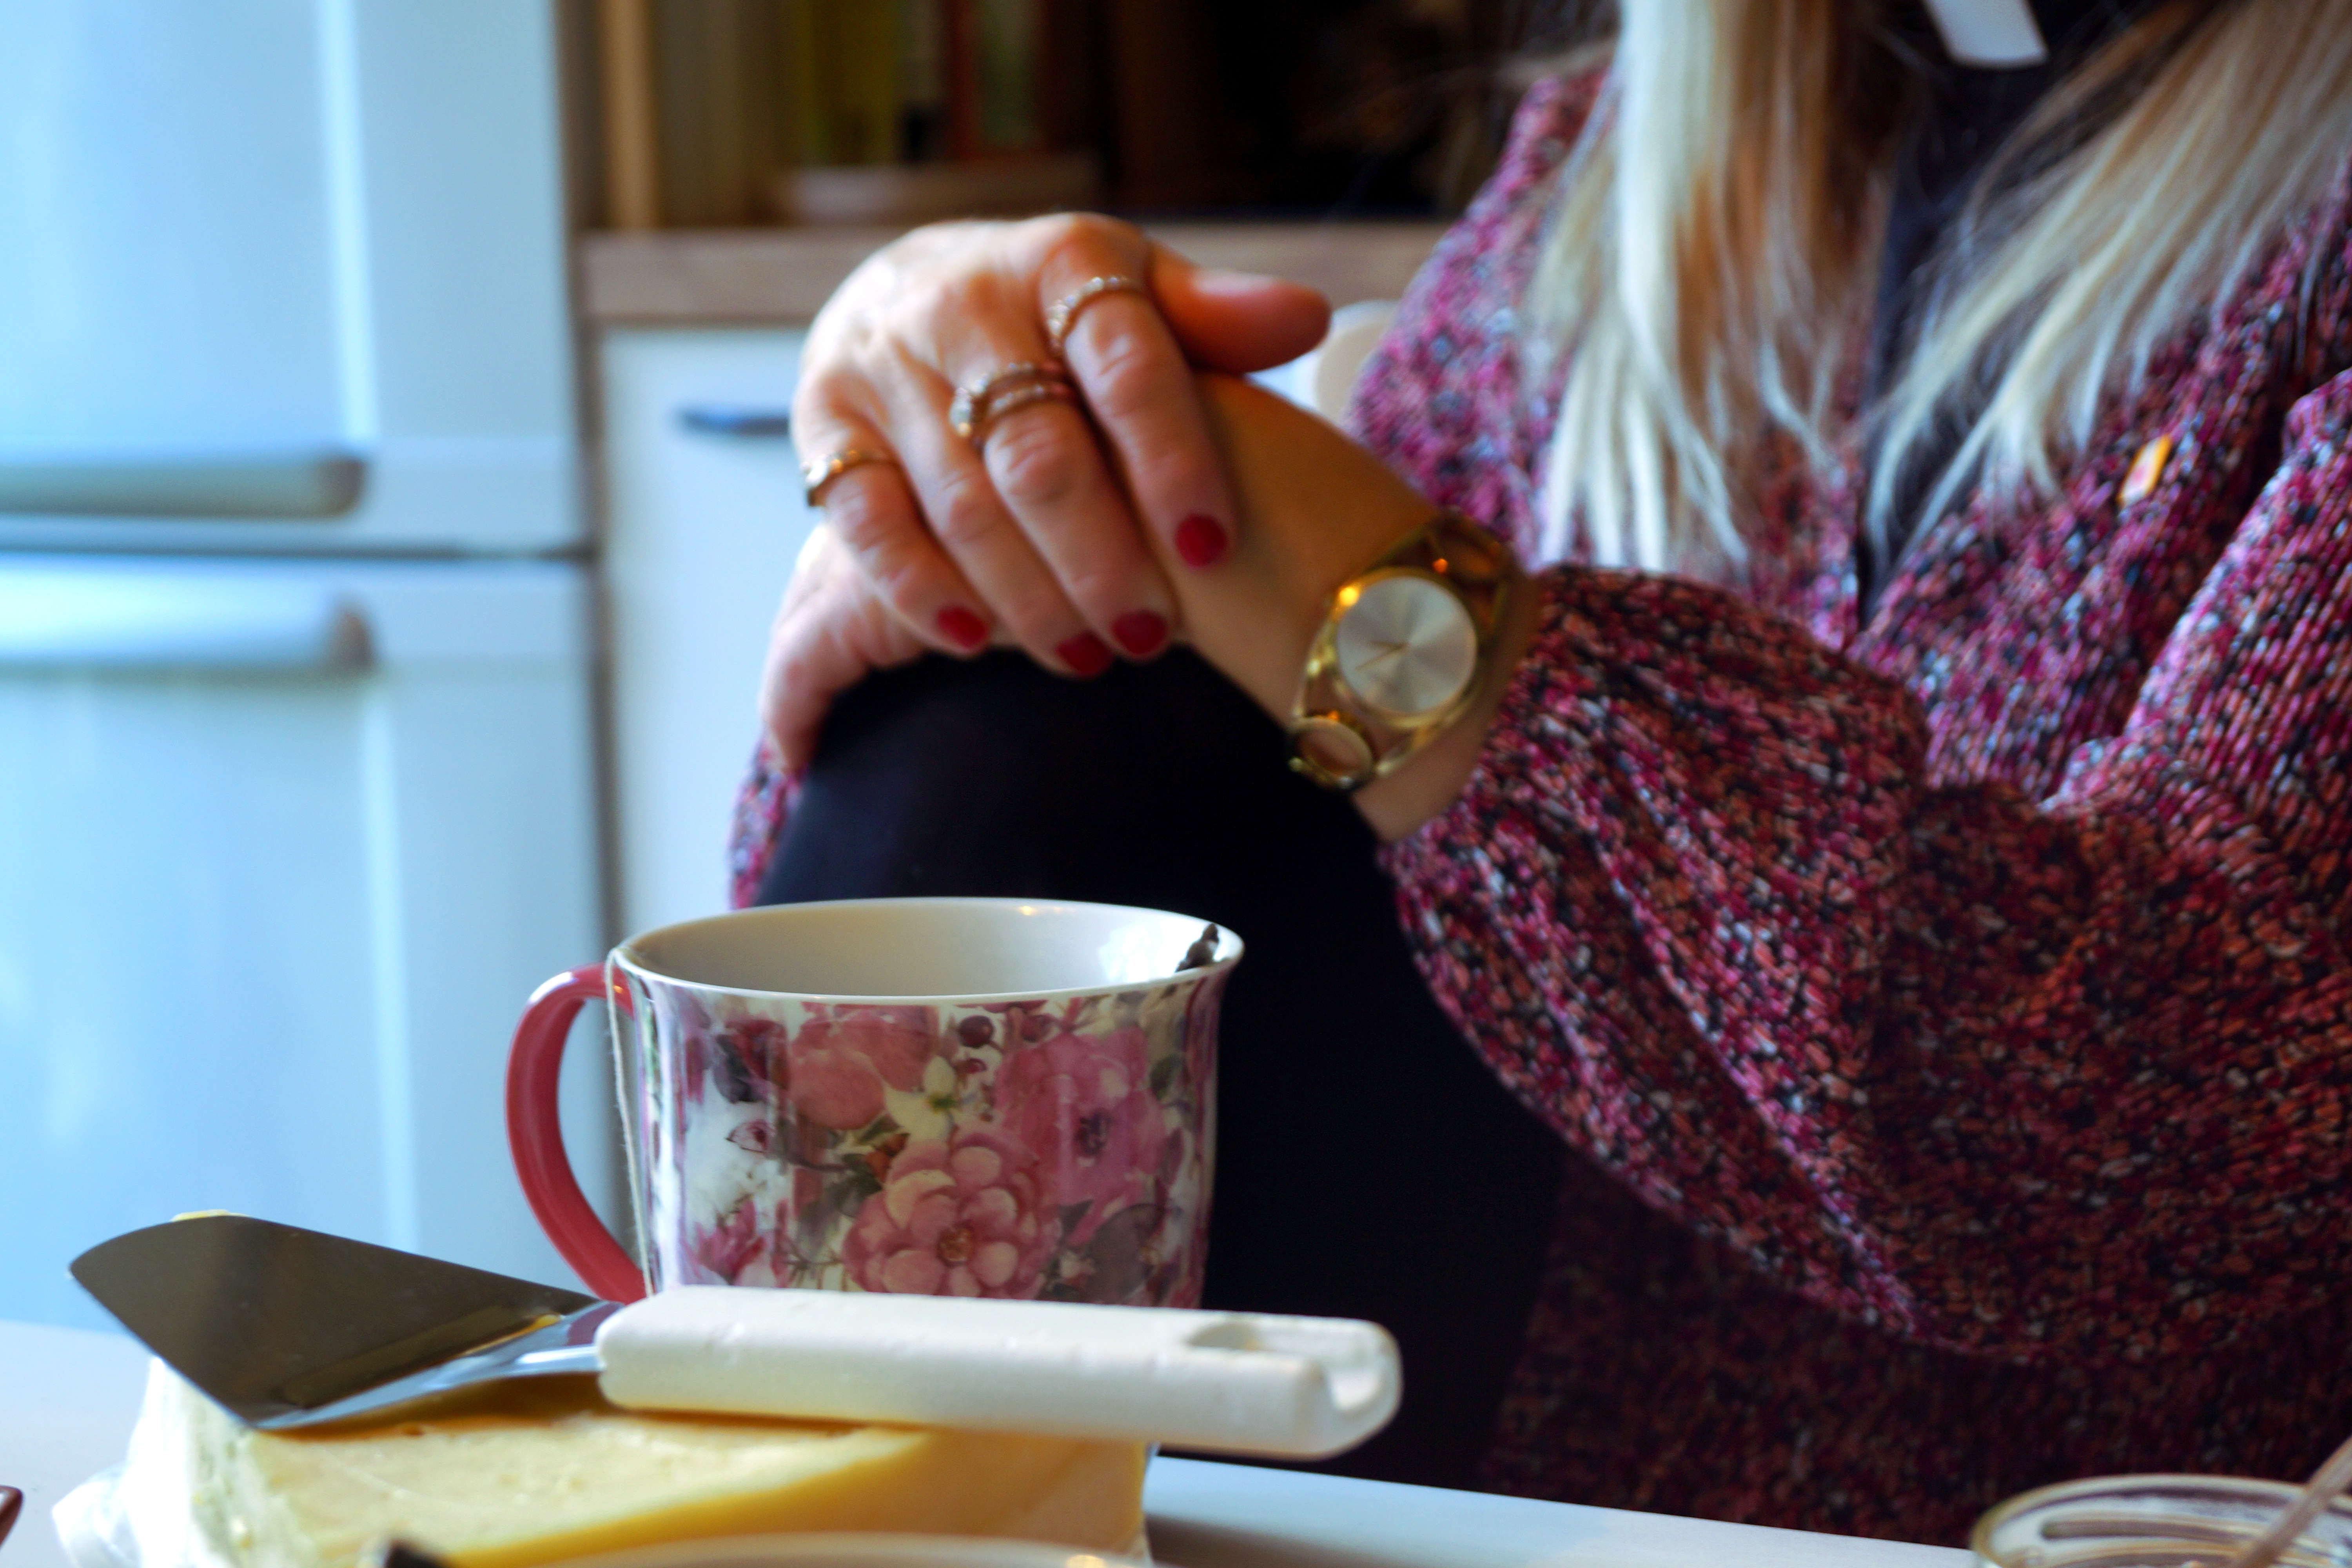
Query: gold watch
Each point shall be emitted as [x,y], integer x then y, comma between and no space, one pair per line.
[1404,647]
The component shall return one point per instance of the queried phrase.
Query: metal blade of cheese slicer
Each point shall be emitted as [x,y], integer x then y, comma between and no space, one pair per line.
[285,1327]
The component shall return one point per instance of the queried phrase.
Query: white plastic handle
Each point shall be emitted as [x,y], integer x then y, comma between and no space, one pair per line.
[1228,1382]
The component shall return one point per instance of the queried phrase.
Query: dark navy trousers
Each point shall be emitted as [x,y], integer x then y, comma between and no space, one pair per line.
[1367,1163]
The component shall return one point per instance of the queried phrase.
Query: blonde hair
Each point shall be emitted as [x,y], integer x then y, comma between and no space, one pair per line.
[1714,245]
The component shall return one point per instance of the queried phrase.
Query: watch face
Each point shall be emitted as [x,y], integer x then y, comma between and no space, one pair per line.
[1407,647]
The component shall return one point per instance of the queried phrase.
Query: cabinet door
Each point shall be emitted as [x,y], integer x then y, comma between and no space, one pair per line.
[283,850]
[704,519]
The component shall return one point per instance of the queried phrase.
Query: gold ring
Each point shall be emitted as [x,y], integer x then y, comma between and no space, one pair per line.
[821,471]
[979,401]
[1064,313]
[1005,401]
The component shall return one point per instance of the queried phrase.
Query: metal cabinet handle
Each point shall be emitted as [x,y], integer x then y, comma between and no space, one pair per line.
[741,422]
[296,484]
[66,619]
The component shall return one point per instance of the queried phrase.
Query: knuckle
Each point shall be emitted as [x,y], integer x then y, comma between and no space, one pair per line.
[1035,613]
[825,387]
[847,331]
[794,669]
[1050,236]
[1167,465]
[899,577]
[947,309]
[926,316]
[1035,463]
[860,514]
[1097,584]
[1126,375]
[965,512]
[1042,626]
[1080,239]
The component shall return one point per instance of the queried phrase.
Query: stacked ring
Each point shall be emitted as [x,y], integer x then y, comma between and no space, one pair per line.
[1003,390]
[825,467]
[1064,313]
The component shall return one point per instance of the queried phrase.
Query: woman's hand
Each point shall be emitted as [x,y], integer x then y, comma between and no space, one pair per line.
[831,631]
[1045,536]
[1313,507]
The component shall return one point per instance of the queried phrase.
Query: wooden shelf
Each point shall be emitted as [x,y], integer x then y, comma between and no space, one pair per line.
[778,276]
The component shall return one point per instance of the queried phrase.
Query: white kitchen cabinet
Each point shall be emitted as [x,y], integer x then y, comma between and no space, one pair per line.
[703,520]
[284,846]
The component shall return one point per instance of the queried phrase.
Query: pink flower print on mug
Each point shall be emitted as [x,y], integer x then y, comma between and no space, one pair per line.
[963,1216]
[1087,1102]
[839,1071]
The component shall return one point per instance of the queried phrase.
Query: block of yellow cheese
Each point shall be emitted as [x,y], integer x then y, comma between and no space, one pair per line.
[540,1471]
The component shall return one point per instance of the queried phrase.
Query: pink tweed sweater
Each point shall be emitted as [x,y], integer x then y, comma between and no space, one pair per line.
[1953,1010]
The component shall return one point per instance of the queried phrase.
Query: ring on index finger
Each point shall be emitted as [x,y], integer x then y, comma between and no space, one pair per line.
[1064,313]
[826,466]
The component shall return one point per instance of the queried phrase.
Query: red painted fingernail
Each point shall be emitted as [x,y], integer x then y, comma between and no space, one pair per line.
[1086,653]
[961,627]
[11,1500]
[1201,541]
[1140,632]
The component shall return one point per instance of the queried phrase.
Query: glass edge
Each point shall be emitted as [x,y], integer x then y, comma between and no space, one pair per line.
[2009,1509]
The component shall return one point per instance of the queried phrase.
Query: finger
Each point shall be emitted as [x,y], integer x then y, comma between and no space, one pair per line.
[976,527]
[871,512]
[823,558]
[1235,322]
[1139,390]
[840,633]
[1047,465]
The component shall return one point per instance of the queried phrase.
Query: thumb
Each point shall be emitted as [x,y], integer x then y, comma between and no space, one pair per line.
[1235,322]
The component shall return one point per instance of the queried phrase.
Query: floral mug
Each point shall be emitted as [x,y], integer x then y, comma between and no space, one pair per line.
[972,1097]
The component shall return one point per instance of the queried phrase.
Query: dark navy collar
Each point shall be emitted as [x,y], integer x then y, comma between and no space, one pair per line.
[1964,113]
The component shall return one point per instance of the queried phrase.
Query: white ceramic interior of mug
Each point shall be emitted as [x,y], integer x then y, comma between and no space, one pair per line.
[924,949]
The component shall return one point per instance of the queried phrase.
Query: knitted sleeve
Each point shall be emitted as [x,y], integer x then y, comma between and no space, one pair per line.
[762,805]
[2003,1074]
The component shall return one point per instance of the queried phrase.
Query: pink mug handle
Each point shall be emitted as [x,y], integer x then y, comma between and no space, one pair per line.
[535,1132]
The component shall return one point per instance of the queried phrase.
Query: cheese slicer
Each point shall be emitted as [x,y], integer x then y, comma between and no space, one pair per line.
[288,1328]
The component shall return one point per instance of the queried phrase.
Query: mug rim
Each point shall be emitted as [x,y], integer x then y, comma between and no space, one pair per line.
[624,952]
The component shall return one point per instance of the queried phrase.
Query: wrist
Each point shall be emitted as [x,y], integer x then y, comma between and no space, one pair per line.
[1432,779]
[1315,509]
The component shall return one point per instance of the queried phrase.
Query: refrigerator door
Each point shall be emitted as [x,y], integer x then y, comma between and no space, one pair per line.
[284,848]
[283,277]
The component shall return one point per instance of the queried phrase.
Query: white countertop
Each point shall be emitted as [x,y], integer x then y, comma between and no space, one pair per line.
[67,1398]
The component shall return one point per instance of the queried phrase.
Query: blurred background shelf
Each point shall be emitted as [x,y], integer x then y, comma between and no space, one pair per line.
[700,277]
[721,113]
